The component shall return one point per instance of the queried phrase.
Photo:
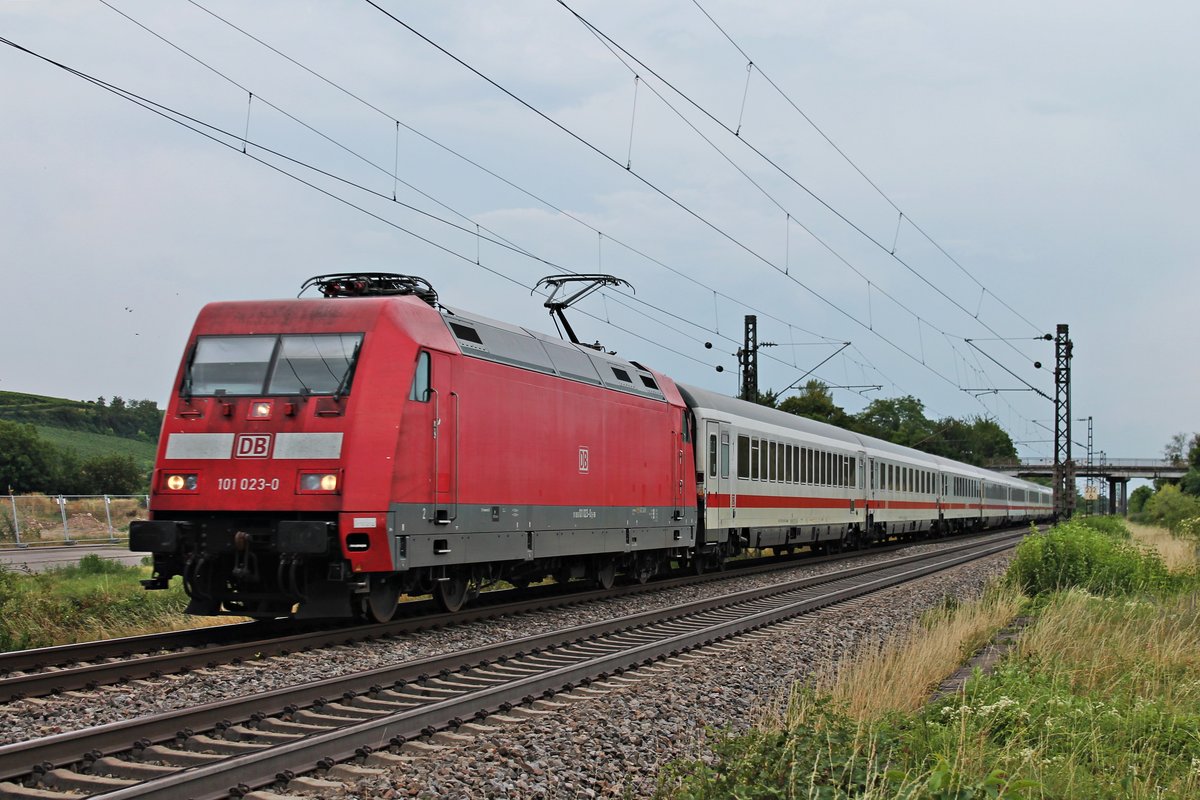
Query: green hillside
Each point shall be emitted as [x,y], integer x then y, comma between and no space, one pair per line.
[131,419]
[87,445]
[89,428]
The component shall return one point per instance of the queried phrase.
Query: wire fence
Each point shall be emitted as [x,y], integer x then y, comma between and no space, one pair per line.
[39,520]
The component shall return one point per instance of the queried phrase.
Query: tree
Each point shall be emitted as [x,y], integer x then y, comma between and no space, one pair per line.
[900,420]
[1138,498]
[982,442]
[27,464]
[816,402]
[1190,482]
[1181,449]
[114,474]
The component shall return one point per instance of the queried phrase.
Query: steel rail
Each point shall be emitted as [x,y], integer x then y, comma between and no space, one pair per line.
[213,781]
[233,643]
[16,759]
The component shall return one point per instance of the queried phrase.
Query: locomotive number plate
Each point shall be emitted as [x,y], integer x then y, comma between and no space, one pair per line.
[247,484]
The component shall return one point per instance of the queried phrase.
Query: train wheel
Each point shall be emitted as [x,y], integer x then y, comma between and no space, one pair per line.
[644,568]
[451,593]
[383,596]
[606,572]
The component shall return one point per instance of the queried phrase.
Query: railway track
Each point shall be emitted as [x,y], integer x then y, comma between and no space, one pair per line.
[87,665]
[239,745]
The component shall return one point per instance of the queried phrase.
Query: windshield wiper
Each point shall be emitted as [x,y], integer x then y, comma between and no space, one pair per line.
[344,385]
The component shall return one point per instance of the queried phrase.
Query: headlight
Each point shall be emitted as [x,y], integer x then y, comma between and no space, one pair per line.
[181,482]
[326,482]
[260,409]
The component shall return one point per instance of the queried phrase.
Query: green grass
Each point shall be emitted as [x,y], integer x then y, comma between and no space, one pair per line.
[1101,699]
[97,599]
[87,445]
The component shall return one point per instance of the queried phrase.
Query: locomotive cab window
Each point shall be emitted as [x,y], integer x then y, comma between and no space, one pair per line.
[420,384]
[302,364]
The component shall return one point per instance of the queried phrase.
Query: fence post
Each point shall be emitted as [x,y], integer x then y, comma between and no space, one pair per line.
[16,521]
[62,505]
[108,516]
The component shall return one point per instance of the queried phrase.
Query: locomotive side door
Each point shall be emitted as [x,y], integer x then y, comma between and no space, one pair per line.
[445,438]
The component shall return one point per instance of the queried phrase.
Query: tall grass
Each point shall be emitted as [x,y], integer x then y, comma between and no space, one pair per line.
[1178,554]
[1101,699]
[97,599]
[902,672]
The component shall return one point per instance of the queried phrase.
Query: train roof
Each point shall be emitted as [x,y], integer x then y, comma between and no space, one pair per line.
[703,398]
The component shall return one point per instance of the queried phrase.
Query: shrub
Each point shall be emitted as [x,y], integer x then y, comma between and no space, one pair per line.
[1075,554]
[1169,507]
[1111,526]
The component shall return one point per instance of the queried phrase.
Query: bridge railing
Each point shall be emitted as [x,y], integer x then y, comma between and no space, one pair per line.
[1048,463]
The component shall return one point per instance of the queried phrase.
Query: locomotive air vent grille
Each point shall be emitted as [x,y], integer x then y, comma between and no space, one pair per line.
[467,335]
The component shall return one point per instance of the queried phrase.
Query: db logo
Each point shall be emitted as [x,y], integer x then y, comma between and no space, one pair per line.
[583,459]
[253,445]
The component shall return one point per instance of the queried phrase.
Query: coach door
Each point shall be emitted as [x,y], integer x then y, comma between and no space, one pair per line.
[716,480]
[860,491]
[871,484]
[445,438]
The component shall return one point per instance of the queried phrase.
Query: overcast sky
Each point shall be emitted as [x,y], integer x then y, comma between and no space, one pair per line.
[1048,148]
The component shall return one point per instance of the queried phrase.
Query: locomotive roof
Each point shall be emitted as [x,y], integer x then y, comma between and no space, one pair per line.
[493,340]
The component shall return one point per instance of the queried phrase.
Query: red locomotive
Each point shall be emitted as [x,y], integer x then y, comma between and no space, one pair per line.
[322,457]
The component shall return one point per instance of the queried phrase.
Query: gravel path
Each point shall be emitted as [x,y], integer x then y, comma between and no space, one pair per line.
[725,700]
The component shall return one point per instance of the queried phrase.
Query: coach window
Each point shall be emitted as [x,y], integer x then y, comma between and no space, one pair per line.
[420,384]
[762,460]
[754,446]
[772,451]
[743,457]
[724,455]
[712,455]
[787,463]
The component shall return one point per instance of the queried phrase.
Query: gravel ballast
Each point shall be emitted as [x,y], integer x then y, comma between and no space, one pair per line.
[615,745]
[608,746]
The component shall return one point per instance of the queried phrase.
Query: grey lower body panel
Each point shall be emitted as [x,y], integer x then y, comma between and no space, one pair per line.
[796,536]
[479,534]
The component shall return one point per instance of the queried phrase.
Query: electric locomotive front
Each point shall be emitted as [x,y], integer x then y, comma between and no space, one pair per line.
[270,489]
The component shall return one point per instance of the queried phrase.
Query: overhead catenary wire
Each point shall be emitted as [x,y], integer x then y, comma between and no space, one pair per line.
[776,166]
[499,177]
[855,166]
[654,187]
[497,238]
[245,138]
[235,142]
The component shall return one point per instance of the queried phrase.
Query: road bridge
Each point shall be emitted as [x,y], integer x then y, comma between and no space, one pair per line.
[1117,471]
